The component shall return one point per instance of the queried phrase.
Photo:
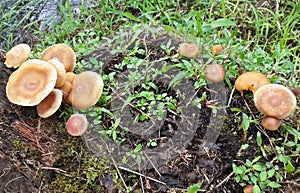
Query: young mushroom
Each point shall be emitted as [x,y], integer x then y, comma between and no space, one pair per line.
[189,50]
[215,73]
[271,123]
[61,72]
[86,90]
[250,81]
[63,53]
[31,83]
[50,104]
[216,49]
[17,55]
[77,125]
[275,100]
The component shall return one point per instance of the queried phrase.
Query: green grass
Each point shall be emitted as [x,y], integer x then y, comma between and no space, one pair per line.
[256,37]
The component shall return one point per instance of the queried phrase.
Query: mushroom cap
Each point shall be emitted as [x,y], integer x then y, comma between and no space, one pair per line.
[215,73]
[189,50]
[60,69]
[86,90]
[31,83]
[77,125]
[250,81]
[271,123]
[70,77]
[66,89]
[50,104]
[63,53]
[275,100]
[17,55]
[216,49]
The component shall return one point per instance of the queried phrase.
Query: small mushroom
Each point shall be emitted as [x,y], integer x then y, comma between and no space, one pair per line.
[275,100]
[77,125]
[250,81]
[70,77]
[17,55]
[216,49]
[66,89]
[50,104]
[31,83]
[61,72]
[215,73]
[248,189]
[189,50]
[271,123]
[86,90]
[63,53]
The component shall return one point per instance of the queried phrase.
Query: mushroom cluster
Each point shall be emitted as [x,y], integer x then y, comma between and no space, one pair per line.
[47,81]
[214,73]
[275,101]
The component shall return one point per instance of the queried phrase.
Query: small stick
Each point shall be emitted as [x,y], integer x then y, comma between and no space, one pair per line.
[52,168]
[137,173]
[225,180]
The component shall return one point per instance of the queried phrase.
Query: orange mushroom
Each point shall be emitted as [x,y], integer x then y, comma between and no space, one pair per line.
[86,90]
[216,49]
[50,104]
[70,77]
[250,81]
[61,72]
[66,89]
[63,53]
[189,50]
[275,100]
[215,73]
[271,123]
[77,125]
[31,83]
[17,55]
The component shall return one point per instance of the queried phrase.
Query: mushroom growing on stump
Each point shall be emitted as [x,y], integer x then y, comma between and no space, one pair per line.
[86,90]
[189,50]
[61,72]
[271,123]
[63,53]
[31,83]
[17,55]
[77,125]
[215,73]
[275,100]
[250,81]
[50,104]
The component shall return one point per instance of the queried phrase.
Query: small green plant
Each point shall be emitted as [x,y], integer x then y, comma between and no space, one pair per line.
[194,188]
[136,155]
[261,175]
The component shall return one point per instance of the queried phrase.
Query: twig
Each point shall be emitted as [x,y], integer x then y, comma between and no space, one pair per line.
[225,180]
[137,173]
[52,168]
[230,97]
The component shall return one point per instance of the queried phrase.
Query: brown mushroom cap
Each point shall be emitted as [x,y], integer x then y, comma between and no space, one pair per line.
[31,83]
[215,73]
[189,50]
[250,81]
[216,49]
[77,125]
[271,123]
[63,53]
[86,90]
[50,104]
[17,55]
[66,89]
[275,100]
[70,77]
[61,72]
